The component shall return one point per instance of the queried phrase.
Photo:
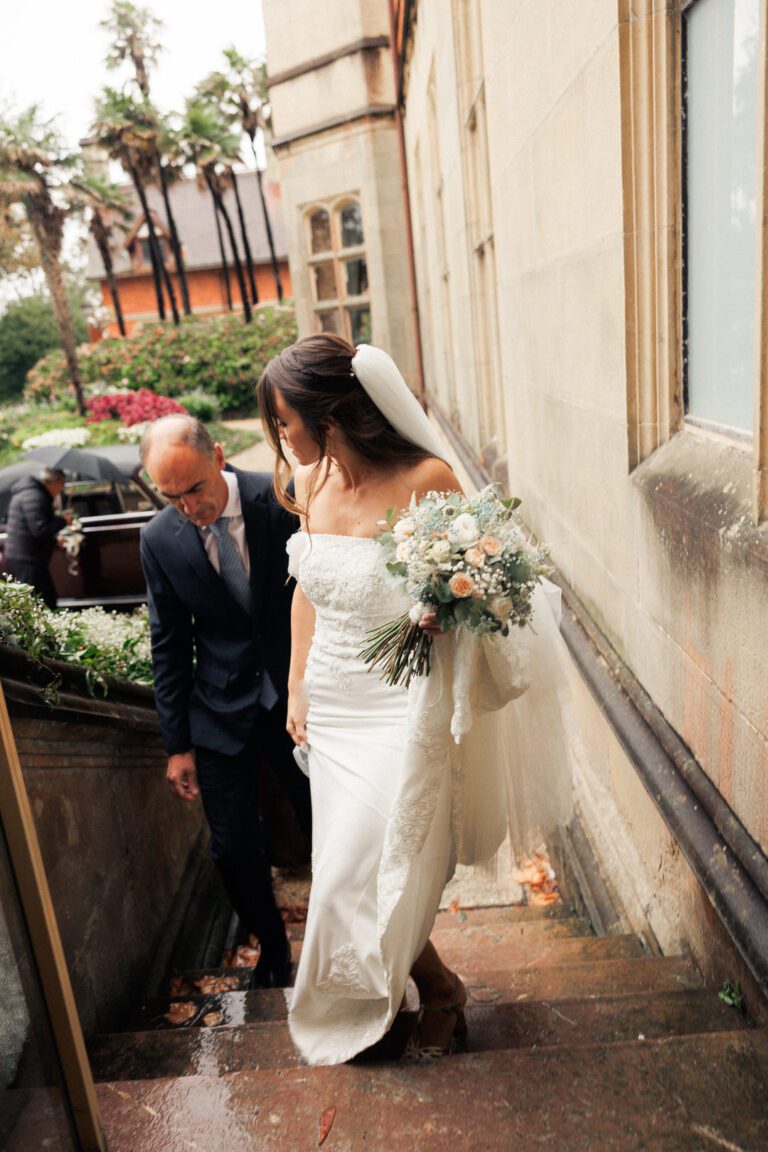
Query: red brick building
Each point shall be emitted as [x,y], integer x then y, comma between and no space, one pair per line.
[196,225]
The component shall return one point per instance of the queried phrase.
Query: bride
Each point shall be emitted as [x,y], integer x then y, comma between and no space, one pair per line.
[383,774]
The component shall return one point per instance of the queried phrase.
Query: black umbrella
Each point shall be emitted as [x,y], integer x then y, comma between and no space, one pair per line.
[86,465]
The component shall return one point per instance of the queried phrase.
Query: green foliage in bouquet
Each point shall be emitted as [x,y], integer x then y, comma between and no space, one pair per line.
[222,356]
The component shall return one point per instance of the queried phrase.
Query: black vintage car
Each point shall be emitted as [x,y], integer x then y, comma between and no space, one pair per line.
[107,570]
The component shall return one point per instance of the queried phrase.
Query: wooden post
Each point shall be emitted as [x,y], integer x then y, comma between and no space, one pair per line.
[32,883]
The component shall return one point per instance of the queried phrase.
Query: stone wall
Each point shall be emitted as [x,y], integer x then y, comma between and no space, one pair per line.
[115,843]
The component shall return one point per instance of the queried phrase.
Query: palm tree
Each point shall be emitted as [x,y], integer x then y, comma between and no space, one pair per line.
[133,32]
[215,88]
[33,173]
[104,205]
[212,148]
[244,96]
[127,130]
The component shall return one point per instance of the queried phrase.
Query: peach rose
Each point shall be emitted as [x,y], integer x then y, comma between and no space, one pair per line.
[474,557]
[490,545]
[461,585]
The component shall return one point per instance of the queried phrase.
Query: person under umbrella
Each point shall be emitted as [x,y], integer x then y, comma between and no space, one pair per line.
[34,530]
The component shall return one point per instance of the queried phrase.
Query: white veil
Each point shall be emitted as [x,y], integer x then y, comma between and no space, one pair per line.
[506,745]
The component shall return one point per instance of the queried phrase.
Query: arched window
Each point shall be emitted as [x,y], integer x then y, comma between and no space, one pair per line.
[338,269]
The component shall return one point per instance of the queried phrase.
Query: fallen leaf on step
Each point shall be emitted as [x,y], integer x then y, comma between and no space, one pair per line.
[454,907]
[178,986]
[209,985]
[326,1121]
[211,1019]
[180,1012]
[246,956]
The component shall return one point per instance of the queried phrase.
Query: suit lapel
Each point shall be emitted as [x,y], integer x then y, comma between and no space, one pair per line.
[257,523]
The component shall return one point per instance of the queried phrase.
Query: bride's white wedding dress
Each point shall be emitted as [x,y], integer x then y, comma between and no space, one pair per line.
[393,804]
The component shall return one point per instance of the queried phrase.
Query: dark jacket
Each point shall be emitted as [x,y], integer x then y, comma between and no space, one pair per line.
[32,524]
[208,654]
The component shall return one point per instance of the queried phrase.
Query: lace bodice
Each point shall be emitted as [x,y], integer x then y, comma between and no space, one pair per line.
[346,580]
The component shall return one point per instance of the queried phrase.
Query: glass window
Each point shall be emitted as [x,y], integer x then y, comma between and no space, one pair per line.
[351,225]
[356,277]
[325,281]
[330,322]
[360,325]
[334,232]
[720,92]
[320,226]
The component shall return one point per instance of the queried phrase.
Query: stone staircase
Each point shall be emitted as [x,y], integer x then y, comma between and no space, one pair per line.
[575,1041]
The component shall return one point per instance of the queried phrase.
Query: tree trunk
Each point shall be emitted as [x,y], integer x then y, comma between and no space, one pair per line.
[216,193]
[222,250]
[100,233]
[244,234]
[175,242]
[49,258]
[267,225]
[152,248]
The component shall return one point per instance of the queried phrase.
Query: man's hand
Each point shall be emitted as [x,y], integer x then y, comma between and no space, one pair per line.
[181,774]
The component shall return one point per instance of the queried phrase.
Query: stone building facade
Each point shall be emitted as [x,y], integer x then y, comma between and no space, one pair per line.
[586,186]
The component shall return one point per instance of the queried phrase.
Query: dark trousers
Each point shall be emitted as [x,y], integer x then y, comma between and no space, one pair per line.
[35,573]
[240,842]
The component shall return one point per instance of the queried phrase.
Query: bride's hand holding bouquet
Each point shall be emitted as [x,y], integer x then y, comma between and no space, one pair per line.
[466,564]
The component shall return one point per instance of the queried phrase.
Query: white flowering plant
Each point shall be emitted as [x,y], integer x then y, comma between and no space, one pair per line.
[66,437]
[105,645]
[468,560]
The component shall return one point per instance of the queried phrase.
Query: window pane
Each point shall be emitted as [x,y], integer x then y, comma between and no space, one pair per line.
[320,225]
[329,322]
[360,324]
[325,281]
[356,277]
[721,139]
[351,225]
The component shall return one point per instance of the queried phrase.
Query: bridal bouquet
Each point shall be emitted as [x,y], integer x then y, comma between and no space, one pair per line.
[468,560]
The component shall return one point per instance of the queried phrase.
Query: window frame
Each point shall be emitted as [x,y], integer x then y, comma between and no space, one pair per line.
[342,303]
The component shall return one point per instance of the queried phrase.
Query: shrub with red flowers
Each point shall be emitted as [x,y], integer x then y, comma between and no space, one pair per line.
[131,407]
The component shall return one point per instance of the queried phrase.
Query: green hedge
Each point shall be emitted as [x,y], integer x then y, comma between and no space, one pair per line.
[221,356]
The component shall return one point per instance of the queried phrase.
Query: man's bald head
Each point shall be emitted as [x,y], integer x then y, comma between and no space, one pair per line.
[186,467]
[176,429]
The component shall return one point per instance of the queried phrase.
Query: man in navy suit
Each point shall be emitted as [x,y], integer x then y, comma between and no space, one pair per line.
[219,607]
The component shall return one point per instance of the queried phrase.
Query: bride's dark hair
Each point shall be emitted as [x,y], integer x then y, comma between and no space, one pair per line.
[314,377]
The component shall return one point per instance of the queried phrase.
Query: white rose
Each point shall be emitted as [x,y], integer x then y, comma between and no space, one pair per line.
[440,551]
[464,531]
[501,606]
[403,551]
[403,528]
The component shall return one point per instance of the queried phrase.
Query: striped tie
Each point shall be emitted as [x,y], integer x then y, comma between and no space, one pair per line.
[232,572]
[231,567]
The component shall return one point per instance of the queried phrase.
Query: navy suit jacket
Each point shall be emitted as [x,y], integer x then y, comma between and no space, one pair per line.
[208,654]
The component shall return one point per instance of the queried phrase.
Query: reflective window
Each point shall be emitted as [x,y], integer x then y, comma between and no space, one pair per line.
[356,277]
[320,226]
[720,93]
[351,225]
[325,281]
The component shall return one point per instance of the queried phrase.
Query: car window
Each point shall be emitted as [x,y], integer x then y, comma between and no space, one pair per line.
[91,498]
[134,498]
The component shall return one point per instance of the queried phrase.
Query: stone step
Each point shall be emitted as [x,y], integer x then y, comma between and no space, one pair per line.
[475,950]
[634,977]
[605,977]
[235,1008]
[489,919]
[689,1092]
[222,1050]
[506,914]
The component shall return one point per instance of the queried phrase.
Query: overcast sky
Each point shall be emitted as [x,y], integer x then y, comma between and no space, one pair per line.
[52,52]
